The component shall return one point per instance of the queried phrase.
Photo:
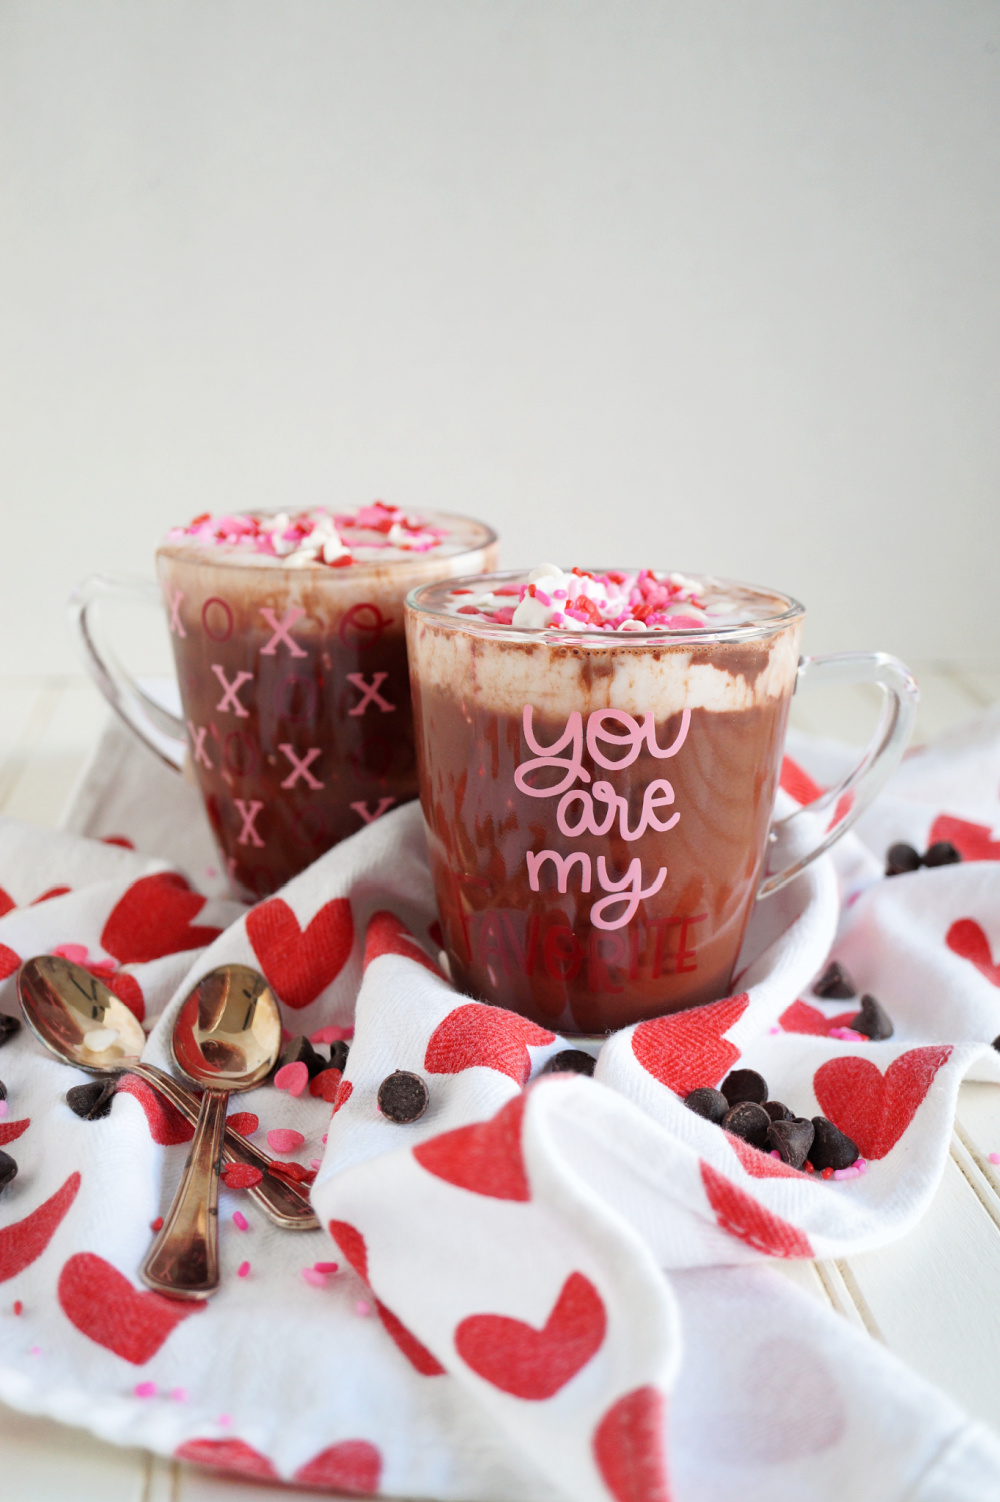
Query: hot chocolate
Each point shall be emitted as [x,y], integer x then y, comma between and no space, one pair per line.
[291,660]
[599,755]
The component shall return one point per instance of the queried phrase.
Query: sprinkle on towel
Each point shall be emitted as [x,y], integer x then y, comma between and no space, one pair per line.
[240,1221]
[243,1271]
[995,1157]
[314,1277]
[292,1077]
[243,1122]
[179,1394]
[241,1175]
[145,1389]
[362,1307]
[284,1140]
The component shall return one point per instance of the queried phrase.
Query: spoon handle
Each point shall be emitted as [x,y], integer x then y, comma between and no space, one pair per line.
[184,1259]
[282,1203]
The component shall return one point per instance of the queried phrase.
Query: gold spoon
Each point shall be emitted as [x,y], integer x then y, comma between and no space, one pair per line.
[65,1006]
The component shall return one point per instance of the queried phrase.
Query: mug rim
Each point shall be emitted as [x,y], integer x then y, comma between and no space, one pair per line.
[559,635]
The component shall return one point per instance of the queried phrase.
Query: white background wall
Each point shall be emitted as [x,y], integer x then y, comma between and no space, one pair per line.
[698,283]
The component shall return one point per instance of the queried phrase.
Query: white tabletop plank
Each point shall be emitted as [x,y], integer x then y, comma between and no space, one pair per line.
[41,1461]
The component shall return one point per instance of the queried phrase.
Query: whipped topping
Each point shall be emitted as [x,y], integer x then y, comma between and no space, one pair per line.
[582,600]
[320,537]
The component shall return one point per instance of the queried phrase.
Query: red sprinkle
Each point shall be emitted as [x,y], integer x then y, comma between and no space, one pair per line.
[466,591]
[827,1173]
[325,1085]
[18,1307]
[241,1176]
[243,1122]
[157,1224]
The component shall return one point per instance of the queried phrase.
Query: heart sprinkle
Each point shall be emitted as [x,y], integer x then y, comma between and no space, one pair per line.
[292,1077]
[241,1176]
[284,1139]
[243,1122]
[325,1085]
[240,1221]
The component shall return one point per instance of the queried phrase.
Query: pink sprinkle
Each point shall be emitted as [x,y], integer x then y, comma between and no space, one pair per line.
[559,594]
[326,1267]
[995,1157]
[179,1394]
[284,1139]
[243,1271]
[362,1308]
[145,1389]
[314,1162]
[541,595]
[332,1035]
[325,1135]
[224,1420]
[3,1108]
[240,1221]
[504,616]
[35,1351]
[774,1029]
[847,1035]
[75,953]
[291,1077]
[775,1153]
[316,1279]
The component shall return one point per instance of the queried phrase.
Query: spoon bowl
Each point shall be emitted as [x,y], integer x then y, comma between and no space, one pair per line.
[76,1016]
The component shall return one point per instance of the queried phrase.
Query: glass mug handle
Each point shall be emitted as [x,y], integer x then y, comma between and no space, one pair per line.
[852,795]
[163,732]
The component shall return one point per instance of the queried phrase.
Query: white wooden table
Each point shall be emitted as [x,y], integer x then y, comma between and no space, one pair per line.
[932,1297]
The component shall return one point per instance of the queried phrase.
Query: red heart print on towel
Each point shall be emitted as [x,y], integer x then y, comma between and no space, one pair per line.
[344,1092]
[419,1357]
[11,1130]
[9,961]
[166,1124]
[128,990]
[354,1466]
[352,1244]
[875,1109]
[800,1017]
[301,963]
[233,1455]
[630,1449]
[974,842]
[102,1304]
[686,1050]
[388,934]
[153,918]
[6,902]
[796,781]
[484,1157]
[530,1363]
[477,1034]
[740,1215]
[25,1241]
[966,939]
[760,1165]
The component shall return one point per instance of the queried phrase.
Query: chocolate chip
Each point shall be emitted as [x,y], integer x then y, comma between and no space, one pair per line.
[9,1028]
[8,1168]
[831,1148]
[300,1051]
[3,1090]
[901,858]
[996,1042]
[571,1061]
[942,853]
[834,984]
[791,1139]
[873,1020]
[339,1050]
[711,1104]
[744,1084]
[777,1110]
[749,1121]
[93,1100]
[402,1096]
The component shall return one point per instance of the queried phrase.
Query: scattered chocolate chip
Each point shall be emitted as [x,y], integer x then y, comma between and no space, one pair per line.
[873,1020]
[901,858]
[93,1100]
[711,1104]
[831,1148]
[748,1120]
[996,1042]
[834,984]
[9,1028]
[744,1084]
[777,1110]
[791,1139]
[8,1168]
[570,1060]
[402,1096]
[942,853]
[300,1051]
[3,1090]
[338,1054]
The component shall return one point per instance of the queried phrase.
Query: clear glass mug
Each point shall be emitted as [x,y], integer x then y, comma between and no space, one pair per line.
[599,805]
[296,719]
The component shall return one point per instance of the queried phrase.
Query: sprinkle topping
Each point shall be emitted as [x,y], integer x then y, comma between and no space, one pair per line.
[581,600]
[318,538]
